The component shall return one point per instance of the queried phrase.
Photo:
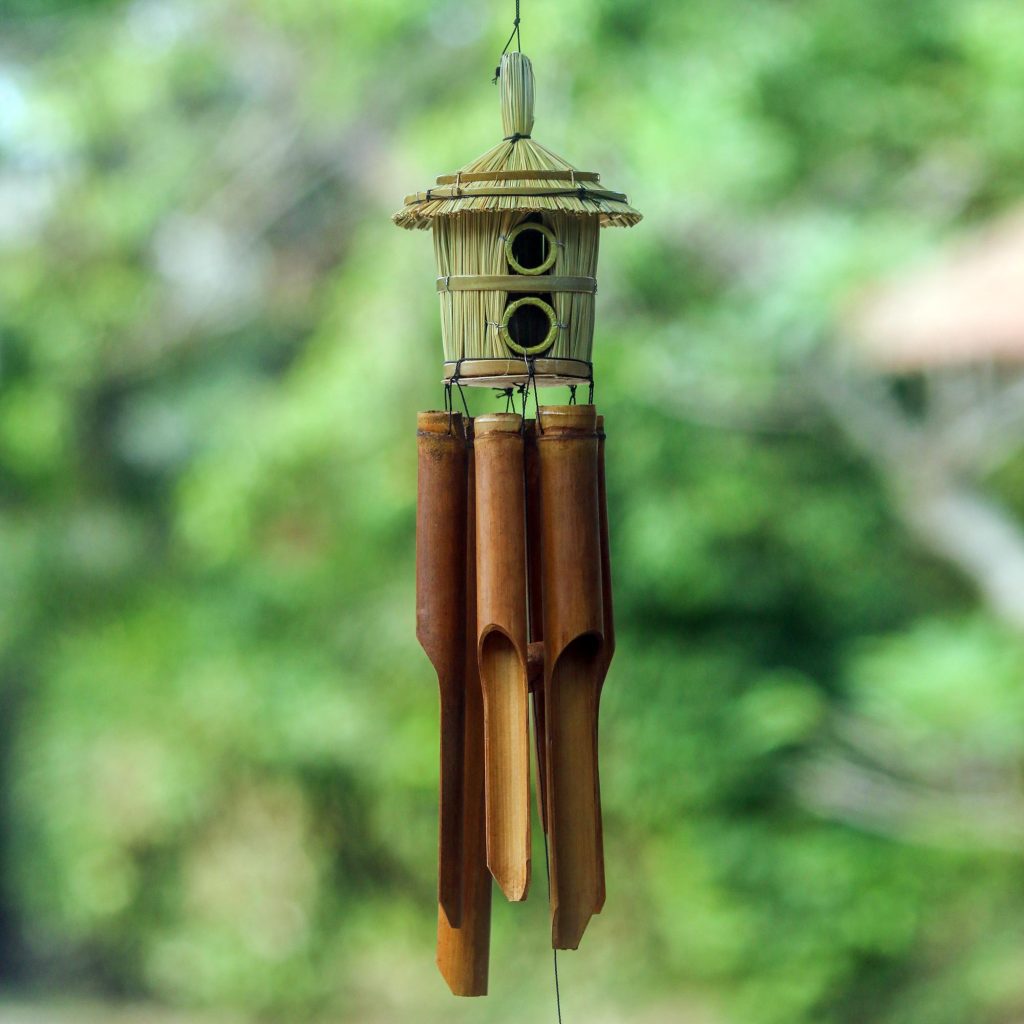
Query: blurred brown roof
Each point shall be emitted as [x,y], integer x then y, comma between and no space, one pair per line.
[966,306]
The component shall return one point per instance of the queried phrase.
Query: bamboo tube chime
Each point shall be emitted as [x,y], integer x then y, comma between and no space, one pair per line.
[513,578]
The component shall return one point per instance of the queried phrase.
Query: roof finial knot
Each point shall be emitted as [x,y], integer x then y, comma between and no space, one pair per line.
[516,80]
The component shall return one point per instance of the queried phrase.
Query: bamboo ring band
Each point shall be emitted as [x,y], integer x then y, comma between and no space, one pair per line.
[541,346]
[530,225]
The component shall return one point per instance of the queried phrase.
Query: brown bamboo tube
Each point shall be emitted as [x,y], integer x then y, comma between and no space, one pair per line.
[441,619]
[573,641]
[463,953]
[502,647]
[607,651]
[535,590]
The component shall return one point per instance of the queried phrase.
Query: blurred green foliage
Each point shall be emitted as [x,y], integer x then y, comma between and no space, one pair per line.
[218,735]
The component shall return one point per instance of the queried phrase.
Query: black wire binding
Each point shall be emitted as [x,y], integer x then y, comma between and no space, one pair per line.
[524,390]
[532,368]
[582,194]
[454,381]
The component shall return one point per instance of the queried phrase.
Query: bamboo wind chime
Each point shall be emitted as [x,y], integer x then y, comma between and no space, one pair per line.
[513,585]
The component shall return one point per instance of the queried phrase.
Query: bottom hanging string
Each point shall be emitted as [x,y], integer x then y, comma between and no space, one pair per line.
[554,952]
[544,834]
[507,393]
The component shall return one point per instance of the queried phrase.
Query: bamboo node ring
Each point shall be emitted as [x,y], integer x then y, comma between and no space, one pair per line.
[549,260]
[541,346]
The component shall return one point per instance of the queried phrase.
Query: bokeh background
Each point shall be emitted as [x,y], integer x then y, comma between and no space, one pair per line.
[217,732]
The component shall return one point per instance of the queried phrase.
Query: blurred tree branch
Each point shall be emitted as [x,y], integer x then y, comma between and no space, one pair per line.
[932,465]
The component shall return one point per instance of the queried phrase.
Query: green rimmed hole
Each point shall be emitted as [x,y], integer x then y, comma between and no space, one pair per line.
[531,248]
[529,326]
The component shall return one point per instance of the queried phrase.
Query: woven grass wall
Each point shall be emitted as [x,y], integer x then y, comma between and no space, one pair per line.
[473,244]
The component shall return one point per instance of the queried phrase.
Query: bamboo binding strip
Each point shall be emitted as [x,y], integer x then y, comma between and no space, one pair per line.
[452,192]
[516,283]
[571,175]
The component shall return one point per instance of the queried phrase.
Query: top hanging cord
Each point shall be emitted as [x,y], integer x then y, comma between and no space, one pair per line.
[519,44]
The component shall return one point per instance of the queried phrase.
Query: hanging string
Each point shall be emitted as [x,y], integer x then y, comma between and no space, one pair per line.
[506,393]
[519,45]
[547,870]
[558,994]
[536,392]
[524,391]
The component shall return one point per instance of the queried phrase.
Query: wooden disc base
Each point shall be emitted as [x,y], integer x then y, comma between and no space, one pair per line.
[500,373]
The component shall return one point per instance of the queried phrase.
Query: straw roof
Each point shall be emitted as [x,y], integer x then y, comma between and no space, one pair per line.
[966,306]
[519,173]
